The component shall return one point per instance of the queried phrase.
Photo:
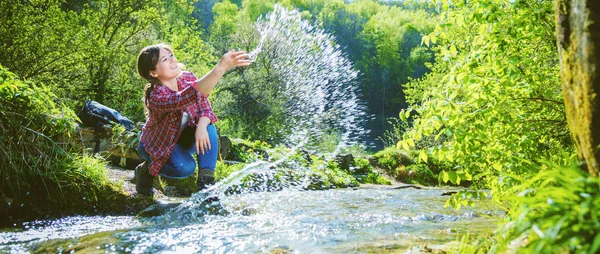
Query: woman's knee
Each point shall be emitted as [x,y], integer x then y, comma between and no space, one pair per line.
[186,168]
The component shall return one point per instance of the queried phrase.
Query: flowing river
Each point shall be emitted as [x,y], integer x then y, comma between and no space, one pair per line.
[360,220]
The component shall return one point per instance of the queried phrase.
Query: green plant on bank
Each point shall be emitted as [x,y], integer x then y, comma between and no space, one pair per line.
[327,175]
[420,174]
[363,172]
[223,170]
[553,211]
[41,175]
[391,158]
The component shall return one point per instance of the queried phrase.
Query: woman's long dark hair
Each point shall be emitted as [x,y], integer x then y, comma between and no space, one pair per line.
[146,62]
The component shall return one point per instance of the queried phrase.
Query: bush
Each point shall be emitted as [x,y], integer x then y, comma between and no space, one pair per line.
[361,166]
[420,174]
[374,178]
[555,210]
[391,159]
[223,170]
[41,176]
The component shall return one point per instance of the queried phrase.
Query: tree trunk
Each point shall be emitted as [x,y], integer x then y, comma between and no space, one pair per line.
[578,41]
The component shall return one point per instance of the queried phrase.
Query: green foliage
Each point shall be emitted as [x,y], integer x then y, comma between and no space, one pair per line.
[224,26]
[257,8]
[555,210]
[248,151]
[391,158]
[41,176]
[420,174]
[361,166]
[494,98]
[374,178]
[327,175]
[223,170]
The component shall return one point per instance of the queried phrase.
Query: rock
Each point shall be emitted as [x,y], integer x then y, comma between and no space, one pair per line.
[449,193]
[224,147]
[373,161]
[345,161]
[157,209]
[95,138]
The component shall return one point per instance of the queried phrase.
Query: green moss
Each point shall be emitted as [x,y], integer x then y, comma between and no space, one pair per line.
[179,187]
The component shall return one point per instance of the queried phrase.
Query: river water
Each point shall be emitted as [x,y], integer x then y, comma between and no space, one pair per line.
[360,220]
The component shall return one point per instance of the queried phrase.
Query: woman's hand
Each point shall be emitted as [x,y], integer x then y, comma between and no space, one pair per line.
[202,141]
[234,59]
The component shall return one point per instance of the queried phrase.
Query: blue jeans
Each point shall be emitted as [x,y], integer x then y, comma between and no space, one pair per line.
[181,164]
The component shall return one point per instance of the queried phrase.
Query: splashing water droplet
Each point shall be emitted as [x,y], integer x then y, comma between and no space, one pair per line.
[320,91]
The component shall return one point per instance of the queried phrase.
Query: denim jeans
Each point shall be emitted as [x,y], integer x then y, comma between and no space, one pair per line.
[181,164]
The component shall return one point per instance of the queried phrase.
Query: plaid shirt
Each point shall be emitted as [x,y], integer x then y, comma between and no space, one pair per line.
[166,107]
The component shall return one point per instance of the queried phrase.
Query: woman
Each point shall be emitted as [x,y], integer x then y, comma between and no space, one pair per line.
[178,113]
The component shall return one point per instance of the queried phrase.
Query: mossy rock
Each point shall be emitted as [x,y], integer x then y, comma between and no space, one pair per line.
[183,187]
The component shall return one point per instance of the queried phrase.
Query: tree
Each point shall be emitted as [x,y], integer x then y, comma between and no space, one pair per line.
[578,38]
[494,93]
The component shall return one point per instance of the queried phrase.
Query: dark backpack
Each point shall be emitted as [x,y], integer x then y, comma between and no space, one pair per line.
[94,114]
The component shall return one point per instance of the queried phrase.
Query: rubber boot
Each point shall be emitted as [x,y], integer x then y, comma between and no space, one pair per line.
[206,177]
[143,179]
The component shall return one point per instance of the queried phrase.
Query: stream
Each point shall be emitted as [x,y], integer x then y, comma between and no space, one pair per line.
[360,220]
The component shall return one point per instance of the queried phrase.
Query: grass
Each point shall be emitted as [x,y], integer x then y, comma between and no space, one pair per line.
[45,173]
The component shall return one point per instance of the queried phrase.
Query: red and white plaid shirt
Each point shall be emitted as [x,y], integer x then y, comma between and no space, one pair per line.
[166,107]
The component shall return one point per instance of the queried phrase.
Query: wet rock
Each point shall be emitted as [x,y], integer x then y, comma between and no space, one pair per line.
[408,186]
[281,250]
[157,209]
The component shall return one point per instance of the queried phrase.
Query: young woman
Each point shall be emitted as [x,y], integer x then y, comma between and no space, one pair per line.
[179,118]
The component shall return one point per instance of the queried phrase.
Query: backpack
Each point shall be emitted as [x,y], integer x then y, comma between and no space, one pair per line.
[94,114]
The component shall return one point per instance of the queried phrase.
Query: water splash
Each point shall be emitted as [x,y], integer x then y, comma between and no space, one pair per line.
[312,79]
[316,76]
[318,86]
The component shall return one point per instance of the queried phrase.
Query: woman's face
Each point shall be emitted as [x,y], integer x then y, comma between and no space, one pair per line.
[167,67]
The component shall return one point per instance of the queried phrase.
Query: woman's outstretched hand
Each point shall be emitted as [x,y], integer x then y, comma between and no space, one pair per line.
[234,59]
